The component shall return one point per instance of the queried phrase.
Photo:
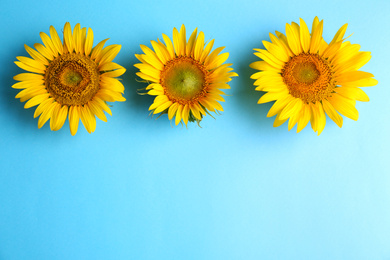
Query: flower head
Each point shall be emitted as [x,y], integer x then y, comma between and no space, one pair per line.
[309,78]
[185,76]
[70,79]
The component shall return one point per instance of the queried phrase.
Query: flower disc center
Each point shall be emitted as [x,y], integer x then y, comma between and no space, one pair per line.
[72,79]
[305,72]
[308,77]
[183,78]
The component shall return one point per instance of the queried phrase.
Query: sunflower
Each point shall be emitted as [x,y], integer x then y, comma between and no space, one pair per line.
[309,78]
[184,76]
[70,79]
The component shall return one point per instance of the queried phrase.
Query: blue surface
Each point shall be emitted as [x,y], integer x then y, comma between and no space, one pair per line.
[237,188]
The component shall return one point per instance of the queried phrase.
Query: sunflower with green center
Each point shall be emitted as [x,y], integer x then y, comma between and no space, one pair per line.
[185,76]
[309,78]
[70,79]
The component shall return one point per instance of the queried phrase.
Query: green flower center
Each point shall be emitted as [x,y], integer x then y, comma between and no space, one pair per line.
[71,77]
[183,78]
[305,72]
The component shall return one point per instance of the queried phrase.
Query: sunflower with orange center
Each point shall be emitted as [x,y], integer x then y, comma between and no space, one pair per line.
[70,79]
[185,76]
[308,78]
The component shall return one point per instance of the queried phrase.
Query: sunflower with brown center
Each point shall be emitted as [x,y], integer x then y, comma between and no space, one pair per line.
[184,76]
[309,78]
[70,79]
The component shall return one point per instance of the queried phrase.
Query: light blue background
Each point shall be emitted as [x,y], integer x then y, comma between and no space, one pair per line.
[237,188]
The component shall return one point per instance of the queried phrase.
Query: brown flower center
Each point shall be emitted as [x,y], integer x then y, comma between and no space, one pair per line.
[308,77]
[72,79]
[184,79]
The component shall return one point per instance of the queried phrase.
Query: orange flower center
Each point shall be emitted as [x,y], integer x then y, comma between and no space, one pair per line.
[308,77]
[184,79]
[72,79]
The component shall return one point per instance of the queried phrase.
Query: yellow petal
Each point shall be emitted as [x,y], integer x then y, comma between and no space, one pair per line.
[340,34]
[281,41]
[351,76]
[176,42]
[97,111]
[172,110]
[262,65]
[28,68]
[151,58]
[110,55]
[32,63]
[110,95]
[185,113]
[218,60]
[195,112]
[355,63]
[61,117]
[162,107]
[272,96]
[213,55]
[48,43]
[206,51]
[292,108]
[199,46]
[304,35]
[83,35]
[278,122]
[346,52]
[36,100]
[30,92]
[44,51]
[366,82]
[54,116]
[114,73]
[321,118]
[304,117]
[353,93]
[109,66]
[178,114]
[159,100]
[97,49]
[344,106]
[28,76]
[147,77]
[332,113]
[169,45]
[270,59]
[68,37]
[316,37]
[277,51]
[102,104]
[279,105]
[46,114]
[56,40]
[183,40]
[191,43]
[74,118]
[87,119]
[28,83]
[36,55]
[161,52]
[292,39]
[77,38]
[88,42]
[111,84]
[42,107]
